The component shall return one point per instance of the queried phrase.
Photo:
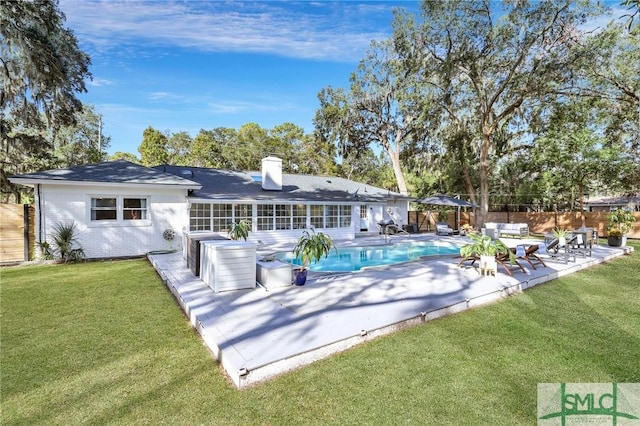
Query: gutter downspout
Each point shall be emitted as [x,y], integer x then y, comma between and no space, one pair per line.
[39,195]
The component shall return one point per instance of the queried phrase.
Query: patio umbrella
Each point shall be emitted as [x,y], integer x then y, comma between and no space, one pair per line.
[445,200]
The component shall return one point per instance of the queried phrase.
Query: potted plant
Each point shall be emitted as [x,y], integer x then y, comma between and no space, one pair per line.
[620,223]
[311,247]
[240,229]
[561,234]
[485,248]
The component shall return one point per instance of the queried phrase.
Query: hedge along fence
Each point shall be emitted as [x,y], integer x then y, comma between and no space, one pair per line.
[539,222]
[17,232]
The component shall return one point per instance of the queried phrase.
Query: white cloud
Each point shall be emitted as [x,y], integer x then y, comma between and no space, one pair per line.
[156,96]
[99,82]
[236,107]
[330,30]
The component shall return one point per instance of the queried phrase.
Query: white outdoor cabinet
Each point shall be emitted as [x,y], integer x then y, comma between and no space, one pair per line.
[228,265]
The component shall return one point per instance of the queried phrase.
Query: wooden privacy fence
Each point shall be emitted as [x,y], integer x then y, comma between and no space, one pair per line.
[539,222]
[17,232]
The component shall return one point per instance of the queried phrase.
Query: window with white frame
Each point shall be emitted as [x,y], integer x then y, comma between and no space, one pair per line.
[331,217]
[268,217]
[134,208]
[119,208]
[283,216]
[345,216]
[217,217]
[364,214]
[242,212]
[264,218]
[316,216]
[200,217]
[222,215]
[299,216]
[104,208]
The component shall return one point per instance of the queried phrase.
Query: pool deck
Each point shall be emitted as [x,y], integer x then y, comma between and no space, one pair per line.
[259,333]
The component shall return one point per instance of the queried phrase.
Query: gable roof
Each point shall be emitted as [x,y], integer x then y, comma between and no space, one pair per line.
[114,172]
[237,185]
[620,200]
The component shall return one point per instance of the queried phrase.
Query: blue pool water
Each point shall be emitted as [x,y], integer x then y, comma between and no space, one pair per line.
[349,259]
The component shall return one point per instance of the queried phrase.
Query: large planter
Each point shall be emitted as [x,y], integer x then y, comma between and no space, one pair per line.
[617,241]
[488,265]
[300,276]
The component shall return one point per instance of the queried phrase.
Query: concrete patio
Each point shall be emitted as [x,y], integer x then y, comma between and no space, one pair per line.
[259,333]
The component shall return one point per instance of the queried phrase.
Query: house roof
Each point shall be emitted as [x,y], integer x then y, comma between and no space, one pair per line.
[237,185]
[115,172]
[613,201]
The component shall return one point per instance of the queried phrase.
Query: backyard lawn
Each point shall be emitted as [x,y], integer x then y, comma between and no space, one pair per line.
[105,343]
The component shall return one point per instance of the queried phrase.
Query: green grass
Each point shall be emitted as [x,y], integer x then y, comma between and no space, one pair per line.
[105,343]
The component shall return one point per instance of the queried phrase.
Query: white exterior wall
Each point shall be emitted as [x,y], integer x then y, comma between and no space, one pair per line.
[377,213]
[398,211]
[166,208]
[291,236]
[280,237]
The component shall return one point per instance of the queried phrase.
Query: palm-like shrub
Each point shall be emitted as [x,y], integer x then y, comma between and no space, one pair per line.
[240,229]
[483,245]
[63,239]
[312,247]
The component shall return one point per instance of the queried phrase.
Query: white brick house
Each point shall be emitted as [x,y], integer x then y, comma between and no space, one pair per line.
[122,209]
[119,208]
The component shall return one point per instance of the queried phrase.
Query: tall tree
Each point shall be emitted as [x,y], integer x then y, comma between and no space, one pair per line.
[611,76]
[127,156]
[569,155]
[492,62]
[43,70]
[383,107]
[369,168]
[153,149]
[314,156]
[178,148]
[300,152]
[82,143]
[251,146]
[208,145]
[285,141]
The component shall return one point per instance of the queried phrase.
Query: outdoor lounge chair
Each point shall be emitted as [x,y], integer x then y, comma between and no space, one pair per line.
[581,243]
[555,251]
[442,228]
[472,259]
[504,260]
[528,254]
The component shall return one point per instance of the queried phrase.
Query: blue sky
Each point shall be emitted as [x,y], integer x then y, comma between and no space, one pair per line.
[191,65]
[185,66]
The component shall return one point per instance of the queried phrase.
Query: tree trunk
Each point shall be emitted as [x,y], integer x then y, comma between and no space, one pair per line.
[484,177]
[397,171]
[581,189]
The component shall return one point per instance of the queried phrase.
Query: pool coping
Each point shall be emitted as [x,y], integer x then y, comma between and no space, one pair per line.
[260,333]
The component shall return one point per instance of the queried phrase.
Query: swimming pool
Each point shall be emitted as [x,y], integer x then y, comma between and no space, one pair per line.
[348,259]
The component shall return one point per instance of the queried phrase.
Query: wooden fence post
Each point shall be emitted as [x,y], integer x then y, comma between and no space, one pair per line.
[25,232]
